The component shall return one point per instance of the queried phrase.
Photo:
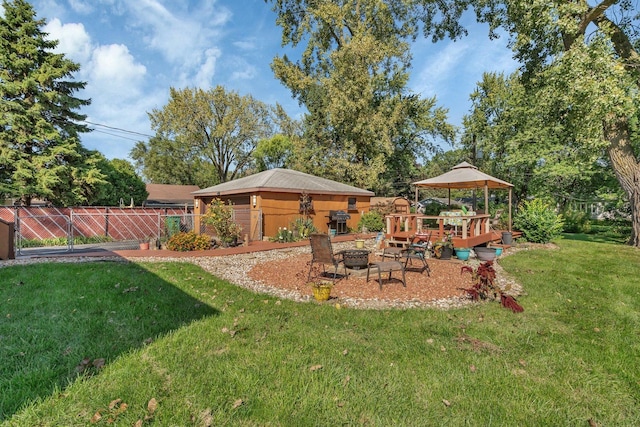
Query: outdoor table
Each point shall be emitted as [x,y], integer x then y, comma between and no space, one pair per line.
[387,267]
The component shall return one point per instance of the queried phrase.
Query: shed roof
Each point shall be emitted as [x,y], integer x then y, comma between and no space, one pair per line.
[283,181]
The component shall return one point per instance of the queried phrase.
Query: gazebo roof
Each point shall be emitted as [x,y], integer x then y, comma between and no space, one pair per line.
[463,175]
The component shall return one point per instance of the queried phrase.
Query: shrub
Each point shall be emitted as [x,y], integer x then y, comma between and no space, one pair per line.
[283,236]
[219,217]
[372,221]
[538,221]
[484,286]
[576,221]
[303,227]
[184,242]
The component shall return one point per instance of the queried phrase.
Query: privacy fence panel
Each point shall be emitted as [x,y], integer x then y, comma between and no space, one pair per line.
[65,228]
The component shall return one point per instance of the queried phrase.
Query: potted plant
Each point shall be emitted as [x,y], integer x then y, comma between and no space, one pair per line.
[146,243]
[484,253]
[443,248]
[463,253]
[321,290]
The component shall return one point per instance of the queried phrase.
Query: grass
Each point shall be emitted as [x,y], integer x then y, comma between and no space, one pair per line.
[220,355]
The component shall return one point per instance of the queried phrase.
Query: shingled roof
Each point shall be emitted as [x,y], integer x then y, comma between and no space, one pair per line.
[163,194]
[284,181]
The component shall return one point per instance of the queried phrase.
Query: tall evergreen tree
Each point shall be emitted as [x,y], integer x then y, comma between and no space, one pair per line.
[40,152]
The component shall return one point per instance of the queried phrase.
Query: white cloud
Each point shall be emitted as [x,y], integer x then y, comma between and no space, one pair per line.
[246,44]
[114,70]
[207,70]
[73,40]
[183,39]
[81,7]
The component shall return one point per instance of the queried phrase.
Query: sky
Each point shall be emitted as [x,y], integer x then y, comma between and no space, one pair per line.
[132,51]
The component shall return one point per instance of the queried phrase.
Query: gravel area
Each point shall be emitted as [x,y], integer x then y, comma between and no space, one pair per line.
[283,273]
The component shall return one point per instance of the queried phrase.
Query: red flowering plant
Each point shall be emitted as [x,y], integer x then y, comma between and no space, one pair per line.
[484,286]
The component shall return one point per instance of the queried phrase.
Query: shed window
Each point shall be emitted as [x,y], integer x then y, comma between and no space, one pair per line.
[352,204]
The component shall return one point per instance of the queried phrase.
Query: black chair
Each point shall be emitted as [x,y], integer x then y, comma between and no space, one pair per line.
[322,253]
[417,250]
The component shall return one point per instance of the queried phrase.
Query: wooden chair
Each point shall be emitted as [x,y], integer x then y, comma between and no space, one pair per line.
[322,253]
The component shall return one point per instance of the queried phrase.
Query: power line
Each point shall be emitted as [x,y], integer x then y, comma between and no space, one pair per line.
[118,129]
[115,134]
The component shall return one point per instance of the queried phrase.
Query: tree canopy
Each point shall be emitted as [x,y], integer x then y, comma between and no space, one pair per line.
[204,136]
[352,78]
[40,152]
[122,184]
[581,83]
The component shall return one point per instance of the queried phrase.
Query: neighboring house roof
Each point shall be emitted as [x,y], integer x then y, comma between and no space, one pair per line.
[165,194]
[284,181]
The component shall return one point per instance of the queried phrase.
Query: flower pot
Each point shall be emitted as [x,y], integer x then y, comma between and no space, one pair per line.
[485,254]
[498,251]
[463,253]
[144,246]
[446,252]
[359,243]
[507,238]
[321,293]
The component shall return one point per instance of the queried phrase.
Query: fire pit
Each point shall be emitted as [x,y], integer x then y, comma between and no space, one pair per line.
[356,258]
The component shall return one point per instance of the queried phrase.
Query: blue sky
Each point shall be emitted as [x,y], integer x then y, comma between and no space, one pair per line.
[132,51]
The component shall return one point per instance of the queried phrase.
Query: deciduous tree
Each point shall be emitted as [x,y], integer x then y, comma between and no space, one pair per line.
[352,79]
[122,184]
[216,126]
[581,63]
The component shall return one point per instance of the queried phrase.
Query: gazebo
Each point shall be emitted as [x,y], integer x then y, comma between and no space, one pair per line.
[474,228]
[467,176]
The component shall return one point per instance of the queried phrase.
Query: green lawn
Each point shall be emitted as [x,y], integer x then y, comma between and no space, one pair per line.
[184,348]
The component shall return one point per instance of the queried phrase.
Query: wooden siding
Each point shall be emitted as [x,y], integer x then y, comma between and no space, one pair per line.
[280,209]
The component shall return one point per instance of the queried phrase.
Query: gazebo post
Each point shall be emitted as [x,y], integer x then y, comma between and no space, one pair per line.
[486,198]
[510,193]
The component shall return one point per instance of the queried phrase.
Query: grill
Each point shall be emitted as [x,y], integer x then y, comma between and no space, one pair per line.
[338,221]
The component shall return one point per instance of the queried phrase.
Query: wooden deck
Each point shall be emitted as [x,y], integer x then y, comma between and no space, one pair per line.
[467,231]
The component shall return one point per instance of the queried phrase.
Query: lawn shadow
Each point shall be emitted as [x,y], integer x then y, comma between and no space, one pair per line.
[596,238]
[59,321]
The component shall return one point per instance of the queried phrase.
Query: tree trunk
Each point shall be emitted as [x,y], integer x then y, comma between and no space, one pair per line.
[626,168]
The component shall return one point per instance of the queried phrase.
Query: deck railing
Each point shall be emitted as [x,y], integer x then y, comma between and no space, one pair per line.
[404,226]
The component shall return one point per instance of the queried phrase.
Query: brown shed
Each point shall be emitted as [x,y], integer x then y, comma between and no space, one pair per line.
[272,199]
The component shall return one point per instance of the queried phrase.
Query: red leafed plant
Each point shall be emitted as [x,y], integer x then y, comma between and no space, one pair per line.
[484,287]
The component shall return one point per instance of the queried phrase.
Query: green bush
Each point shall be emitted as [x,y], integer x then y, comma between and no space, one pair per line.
[283,236]
[219,217]
[372,221]
[184,242]
[538,221]
[303,227]
[576,221]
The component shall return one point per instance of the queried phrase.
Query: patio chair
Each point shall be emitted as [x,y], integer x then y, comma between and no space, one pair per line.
[322,253]
[417,251]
